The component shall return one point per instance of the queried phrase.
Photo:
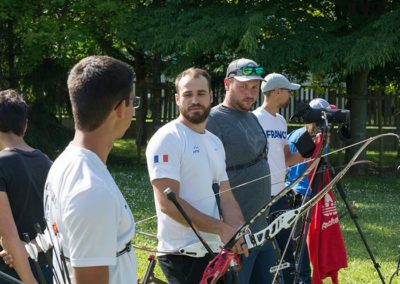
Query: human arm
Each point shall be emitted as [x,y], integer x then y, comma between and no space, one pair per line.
[231,211]
[88,275]
[11,243]
[292,158]
[200,220]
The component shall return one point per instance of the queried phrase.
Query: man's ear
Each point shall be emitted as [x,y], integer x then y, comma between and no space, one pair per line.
[212,97]
[120,110]
[227,84]
[25,128]
[177,99]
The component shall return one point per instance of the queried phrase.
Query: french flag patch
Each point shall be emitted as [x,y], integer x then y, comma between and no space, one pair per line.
[160,159]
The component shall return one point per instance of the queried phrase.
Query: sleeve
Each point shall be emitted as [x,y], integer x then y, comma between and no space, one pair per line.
[163,155]
[286,130]
[223,176]
[90,220]
[3,180]
[3,186]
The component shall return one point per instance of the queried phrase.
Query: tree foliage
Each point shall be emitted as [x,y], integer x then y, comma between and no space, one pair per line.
[336,40]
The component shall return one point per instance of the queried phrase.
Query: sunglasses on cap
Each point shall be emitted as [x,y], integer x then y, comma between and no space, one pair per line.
[248,70]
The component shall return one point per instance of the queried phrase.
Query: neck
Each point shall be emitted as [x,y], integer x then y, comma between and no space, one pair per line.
[12,141]
[197,127]
[95,141]
[271,108]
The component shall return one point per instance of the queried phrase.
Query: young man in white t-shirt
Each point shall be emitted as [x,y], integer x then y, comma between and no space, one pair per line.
[91,222]
[277,91]
[188,159]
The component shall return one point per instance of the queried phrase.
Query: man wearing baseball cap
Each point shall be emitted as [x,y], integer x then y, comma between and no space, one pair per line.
[277,93]
[246,160]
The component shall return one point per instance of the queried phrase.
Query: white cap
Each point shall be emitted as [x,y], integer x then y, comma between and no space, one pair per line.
[319,103]
[277,81]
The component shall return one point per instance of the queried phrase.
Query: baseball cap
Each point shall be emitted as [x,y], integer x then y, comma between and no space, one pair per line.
[319,103]
[244,69]
[277,81]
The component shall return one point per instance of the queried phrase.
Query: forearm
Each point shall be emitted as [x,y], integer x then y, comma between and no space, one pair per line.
[11,242]
[199,220]
[294,158]
[21,264]
[231,211]
[93,274]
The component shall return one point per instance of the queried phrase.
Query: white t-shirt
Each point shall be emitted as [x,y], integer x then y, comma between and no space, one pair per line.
[275,128]
[196,161]
[93,219]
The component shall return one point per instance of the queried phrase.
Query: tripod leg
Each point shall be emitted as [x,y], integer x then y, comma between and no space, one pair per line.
[149,276]
[301,253]
[353,217]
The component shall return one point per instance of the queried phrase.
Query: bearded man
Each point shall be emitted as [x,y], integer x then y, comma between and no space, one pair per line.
[188,159]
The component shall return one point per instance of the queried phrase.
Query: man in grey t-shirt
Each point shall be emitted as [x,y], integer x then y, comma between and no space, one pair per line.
[245,147]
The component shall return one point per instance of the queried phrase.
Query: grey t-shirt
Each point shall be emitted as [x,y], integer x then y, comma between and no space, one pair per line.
[244,141]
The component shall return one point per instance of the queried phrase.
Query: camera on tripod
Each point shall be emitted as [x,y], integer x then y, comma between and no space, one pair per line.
[312,115]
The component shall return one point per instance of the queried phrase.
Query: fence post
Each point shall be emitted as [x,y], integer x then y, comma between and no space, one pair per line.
[379,99]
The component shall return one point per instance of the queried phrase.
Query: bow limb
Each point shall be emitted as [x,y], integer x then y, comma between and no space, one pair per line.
[289,218]
[245,227]
[218,266]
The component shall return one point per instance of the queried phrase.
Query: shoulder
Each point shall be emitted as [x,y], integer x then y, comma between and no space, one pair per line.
[220,112]
[7,156]
[294,135]
[258,112]
[171,130]
[280,117]
[214,138]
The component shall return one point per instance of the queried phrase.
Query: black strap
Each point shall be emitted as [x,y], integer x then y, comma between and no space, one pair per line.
[263,155]
[127,248]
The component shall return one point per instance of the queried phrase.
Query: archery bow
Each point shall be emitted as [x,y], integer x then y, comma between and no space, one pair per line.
[215,269]
[218,266]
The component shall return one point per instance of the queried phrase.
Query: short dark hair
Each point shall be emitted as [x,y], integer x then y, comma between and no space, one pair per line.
[195,73]
[95,85]
[13,112]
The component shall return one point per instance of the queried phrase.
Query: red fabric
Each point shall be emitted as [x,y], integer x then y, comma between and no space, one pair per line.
[325,240]
[318,145]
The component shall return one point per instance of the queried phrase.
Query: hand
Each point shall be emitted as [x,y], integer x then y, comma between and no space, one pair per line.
[7,258]
[241,247]
[226,234]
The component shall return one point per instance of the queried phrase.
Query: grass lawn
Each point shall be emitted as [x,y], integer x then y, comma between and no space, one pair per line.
[376,199]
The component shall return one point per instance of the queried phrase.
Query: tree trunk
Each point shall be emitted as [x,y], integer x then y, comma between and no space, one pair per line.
[156,103]
[358,90]
[11,55]
[141,112]
[397,120]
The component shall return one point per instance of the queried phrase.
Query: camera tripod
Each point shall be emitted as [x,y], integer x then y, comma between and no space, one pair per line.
[322,167]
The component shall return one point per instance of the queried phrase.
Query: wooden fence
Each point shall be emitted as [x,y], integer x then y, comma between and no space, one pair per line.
[381,109]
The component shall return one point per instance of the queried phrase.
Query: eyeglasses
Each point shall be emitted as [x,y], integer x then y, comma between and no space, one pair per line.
[135,102]
[248,70]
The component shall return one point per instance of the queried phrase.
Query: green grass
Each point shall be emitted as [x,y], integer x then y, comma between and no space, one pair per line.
[376,199]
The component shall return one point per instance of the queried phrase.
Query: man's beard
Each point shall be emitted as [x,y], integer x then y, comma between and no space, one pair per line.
[196,117]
